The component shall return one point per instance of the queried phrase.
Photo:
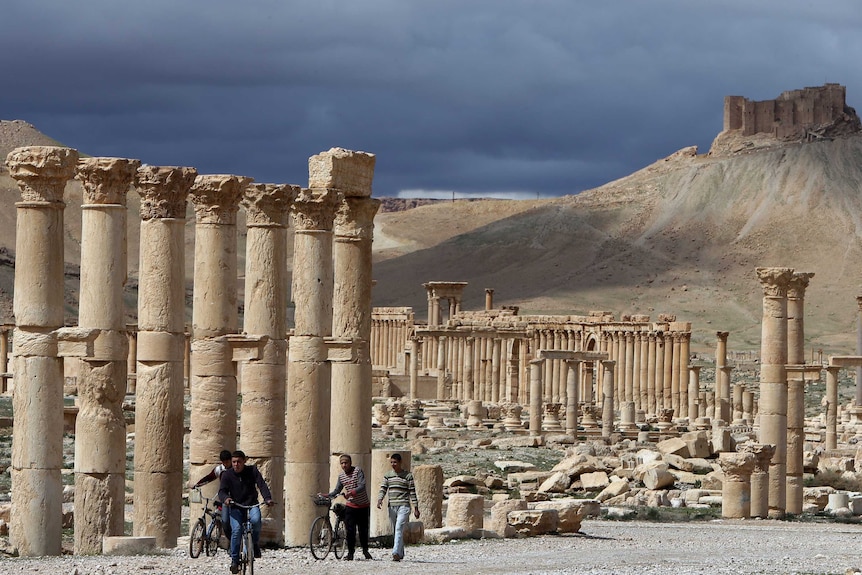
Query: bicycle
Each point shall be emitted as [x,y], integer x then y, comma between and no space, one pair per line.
[246,549]
[323,537]
[205,537]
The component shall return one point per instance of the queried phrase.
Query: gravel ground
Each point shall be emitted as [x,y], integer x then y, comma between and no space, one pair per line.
[603,547]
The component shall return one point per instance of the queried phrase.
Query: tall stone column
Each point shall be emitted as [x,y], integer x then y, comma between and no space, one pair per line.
[469,392]
[536,366]
[796,317]
[629,359]
[720,381]
[832,407]
[693,391]
[773,381]
[736,486]
[414,345]
[161,339]
[309,372]
[213,406]
[795,437]
[643,378]
[100,428]
[636,370]
[667,398]
[496,359]
[760,477]
[41,173]
[659,373]
[351,173]
[489,299]
[573,383]
[264,384]
[675,381]
[858,397]
[650,375]
[441,367]
[738,393]
[723,406]
[684,356]
[608,399]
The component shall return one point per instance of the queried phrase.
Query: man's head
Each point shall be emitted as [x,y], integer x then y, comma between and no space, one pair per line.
[395,462]
[225,457]
[237,460]
[346,462]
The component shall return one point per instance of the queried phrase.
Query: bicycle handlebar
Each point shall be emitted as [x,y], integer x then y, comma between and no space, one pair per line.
[241,506]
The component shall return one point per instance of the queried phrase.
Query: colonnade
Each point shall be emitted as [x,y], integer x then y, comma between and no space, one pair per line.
[285,416]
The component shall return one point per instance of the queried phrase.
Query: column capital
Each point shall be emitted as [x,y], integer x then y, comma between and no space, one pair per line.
[762,452]
[347,171]
[267,205]
[737,464]
[722,335]
[163,191]
[314,210]
[609,364]
[354,218]
[798,283]
[774,281]
[42,171]
[216,197]
[106,180]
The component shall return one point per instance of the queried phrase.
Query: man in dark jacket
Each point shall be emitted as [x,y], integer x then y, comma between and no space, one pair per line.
[240,484]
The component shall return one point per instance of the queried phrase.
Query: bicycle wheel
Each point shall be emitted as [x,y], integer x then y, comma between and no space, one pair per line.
[339,539]
[213,537]
[196,539]
[247,554]
[320,538]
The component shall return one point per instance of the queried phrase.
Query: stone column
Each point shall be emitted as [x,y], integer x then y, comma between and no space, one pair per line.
[608,399]
[573,383]
[643,377]
[796,316]
[738,392]
[414,345]
[773,381]
[720,363]
[832,407]
[858,398]
[469,392]
[736,486]
[659,373]
[629,359]
[213,385]
[675,382]
[667,382]
[309,373]
[795,437]
[264,380]
[441,367]
[489,299]
[351,173]
[684,355]
[760,478]
[159,406]
[651,368]
[496,360]
[536,366]
[723,410]
[636,370]
[429,490]
[41,173]
[748,407]
[100,428]
[693,391]
[132,360]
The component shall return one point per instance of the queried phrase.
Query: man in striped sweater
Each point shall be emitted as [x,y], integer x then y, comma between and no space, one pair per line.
[351,481]
[398,483]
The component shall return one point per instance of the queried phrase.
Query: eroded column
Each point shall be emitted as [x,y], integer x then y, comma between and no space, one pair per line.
[573,376]
[760,477]
[736,485]
[832,407]
[264,384]
[773,381]
[309,372]
[608,399]
[161,340]
[796,317]
[100,428]
[536,366]
[795,437]
[41,173]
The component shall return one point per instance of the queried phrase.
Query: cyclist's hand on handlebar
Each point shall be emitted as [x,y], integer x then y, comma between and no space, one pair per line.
[228,501]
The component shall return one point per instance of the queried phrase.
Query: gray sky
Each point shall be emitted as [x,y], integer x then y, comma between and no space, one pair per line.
[477,97]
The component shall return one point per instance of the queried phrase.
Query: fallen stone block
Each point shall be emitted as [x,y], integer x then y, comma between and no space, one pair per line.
[121,545]
[533,522]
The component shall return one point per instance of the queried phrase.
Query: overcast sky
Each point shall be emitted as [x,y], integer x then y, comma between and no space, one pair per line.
[474,97]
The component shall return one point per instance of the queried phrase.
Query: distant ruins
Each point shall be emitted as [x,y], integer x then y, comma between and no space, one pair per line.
[804,114]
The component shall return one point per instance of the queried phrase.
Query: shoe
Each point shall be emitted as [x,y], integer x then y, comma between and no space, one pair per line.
[396,557]
[367,555]
[257,554]
[234,567]
[348,557]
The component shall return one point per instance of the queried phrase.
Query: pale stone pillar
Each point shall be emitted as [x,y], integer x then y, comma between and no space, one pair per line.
[720,382]
[41,173]
[693,391]
[796,317]
[650,375]
[413,346]
[795,437]
[676,362]
[636,370]
[536,366]
[496,359]
[161,338]
[572,385]
[264,379]
[684,356]
[429,490]
[132,360]
[773,380]
[738,392]
[100,428]
[760,477]
[736,485]
[748,407]
[667,382]
[643,377]
[469,392]
[628,367]
[442,342]
[659,373]
[489,299]
[309,373]
[351,173]
[608,399]
[213,383]
[832,407]
[722,404]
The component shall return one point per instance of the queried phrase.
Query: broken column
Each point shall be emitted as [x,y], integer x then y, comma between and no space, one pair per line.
[773,381]
[796,317]
[795,437]
[41,173]
[832,407]
[536,366]
[100,428]
[161,341]
[573,376]
[760,477]
[608,398]
[736,485]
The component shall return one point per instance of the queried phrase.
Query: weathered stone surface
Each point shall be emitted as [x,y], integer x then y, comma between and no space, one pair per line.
[570,512]
[120,545]
[429,489]
[657,478]
[499,522]
[818,496]
[519,441]
[698,443]
[556,483]
[513,466]
[575,465]
[414,532]
[466,511]
[534,522]
[675,446]
[594,480]
[462,480]
[347,171]
[444,534]
[615,489]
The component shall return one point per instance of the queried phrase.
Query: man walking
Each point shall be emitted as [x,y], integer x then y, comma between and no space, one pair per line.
[398,484]
[351,481]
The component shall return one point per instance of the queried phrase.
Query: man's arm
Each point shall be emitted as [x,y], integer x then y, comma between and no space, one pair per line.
[360,482]
[204,480]
[382,493]
[414,499]
[337,490]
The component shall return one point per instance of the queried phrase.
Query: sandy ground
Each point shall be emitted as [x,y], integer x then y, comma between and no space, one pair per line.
[603,547]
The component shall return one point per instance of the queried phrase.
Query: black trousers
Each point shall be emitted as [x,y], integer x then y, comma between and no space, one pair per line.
[357,518]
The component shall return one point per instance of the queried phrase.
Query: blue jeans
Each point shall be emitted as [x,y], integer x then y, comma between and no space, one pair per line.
[237,518]
[398,517]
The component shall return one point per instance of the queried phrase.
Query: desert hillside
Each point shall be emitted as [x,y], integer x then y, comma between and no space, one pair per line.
[680,236]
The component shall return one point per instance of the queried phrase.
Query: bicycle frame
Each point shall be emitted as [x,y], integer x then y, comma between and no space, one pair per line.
[246,549]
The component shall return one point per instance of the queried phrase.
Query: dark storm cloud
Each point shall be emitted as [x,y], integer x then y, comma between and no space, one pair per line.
[544,97]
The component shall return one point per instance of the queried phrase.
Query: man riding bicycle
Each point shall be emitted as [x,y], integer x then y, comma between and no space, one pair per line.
[240,484]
